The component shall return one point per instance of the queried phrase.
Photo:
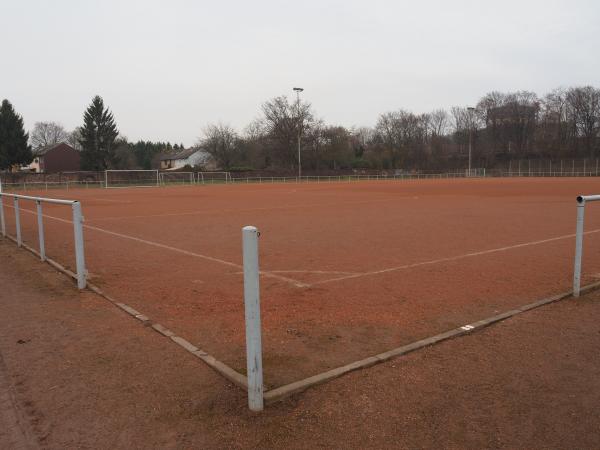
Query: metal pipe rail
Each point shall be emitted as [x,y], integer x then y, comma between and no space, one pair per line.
[581,201]
[77,228]
[57,201]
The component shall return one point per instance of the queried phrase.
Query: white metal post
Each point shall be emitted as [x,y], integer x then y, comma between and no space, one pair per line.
[18,222]
[578,246]
[40,221]
[252,309]
[79,252]
[2,220]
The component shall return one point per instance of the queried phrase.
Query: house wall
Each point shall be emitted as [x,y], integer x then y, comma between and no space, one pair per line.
[200,158]
[34,166]
[61,158]
[172,164]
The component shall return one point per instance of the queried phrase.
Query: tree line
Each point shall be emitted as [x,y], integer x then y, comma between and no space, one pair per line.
[564,123]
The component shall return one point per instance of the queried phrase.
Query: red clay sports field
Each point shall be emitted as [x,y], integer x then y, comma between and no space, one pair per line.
[350,269]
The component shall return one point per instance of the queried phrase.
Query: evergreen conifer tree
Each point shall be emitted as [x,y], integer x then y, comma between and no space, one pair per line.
[98,135]
[14,147]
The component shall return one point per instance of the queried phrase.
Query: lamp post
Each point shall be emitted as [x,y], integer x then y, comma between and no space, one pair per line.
[298,90]
[471,110]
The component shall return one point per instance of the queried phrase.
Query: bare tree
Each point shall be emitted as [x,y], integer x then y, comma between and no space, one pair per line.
[47,133]
[555,134]
[584,108]
[438,122]
[282,122]
[402,135]
[329,146]
[361,140]
[73,139]
[221,142]
[510,120]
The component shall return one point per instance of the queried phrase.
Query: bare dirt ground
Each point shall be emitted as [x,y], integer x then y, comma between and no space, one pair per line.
[78,373]
[382,263]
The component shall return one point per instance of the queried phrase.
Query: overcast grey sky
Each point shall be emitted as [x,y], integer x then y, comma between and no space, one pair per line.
[167,68]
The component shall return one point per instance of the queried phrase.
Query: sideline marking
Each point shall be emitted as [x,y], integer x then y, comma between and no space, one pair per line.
[224,211]
[300,284]
[291,281]
[453,258]
[319,272]
[111,200]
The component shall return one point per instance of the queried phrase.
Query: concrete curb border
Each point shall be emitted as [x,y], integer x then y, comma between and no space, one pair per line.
[285,391]
[282,392]
[235,377]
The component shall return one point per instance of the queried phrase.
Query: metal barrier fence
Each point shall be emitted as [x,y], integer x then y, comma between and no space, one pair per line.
[39,201]
[351,178]
[254,367]
[50,185]
[554,167]
[165,181]
[581,201]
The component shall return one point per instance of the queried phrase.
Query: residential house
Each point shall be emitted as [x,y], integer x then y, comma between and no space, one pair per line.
[54,158]
[191,157]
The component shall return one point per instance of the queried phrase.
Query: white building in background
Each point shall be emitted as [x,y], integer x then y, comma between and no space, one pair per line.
[191,157]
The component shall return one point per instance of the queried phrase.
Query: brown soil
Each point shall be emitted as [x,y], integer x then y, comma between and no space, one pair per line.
[86,375]
[316,233]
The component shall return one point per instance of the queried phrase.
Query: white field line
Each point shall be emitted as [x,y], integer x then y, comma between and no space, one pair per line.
[111,200]
[300,284]
[267,274]
[223,211]
[452,258]
[318,272]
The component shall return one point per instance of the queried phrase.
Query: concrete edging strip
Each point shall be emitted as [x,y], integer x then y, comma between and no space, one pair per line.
[282,392]
[230,374]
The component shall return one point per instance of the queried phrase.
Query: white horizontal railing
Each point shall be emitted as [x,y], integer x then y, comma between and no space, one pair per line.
[39,201]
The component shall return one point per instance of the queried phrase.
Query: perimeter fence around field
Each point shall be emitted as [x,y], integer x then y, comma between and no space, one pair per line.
[547,168]
[88,180]
[80,273]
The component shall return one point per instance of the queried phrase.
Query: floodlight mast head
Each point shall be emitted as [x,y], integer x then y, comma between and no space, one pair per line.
[298,89]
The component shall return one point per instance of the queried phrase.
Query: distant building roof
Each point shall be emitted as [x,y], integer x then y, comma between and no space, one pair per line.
[184,154]
[43,150]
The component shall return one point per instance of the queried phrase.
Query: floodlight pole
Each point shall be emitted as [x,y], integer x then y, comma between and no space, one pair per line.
[470,109]
[298,90]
